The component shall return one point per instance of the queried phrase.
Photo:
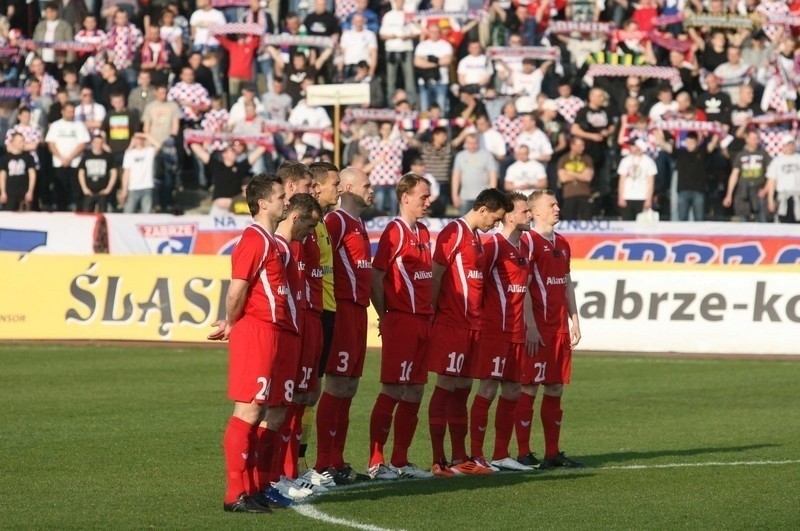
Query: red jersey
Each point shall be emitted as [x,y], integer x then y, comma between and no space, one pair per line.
[313,270]
[291,255]
[507,273]
[405,255]
[460,251]
[549,270]
[352,257]
[256,260]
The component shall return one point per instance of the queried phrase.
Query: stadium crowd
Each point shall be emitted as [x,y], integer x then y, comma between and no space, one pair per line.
[684,107]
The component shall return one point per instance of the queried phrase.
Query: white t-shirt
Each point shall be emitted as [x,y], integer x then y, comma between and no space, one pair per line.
[476,69]
[302,114]
[537,142]
[357,44]
[636,168]
[394,23]
[140,162]
[67,136]
[528,84]
[526,175]
[440,48]
[90,113]
[49,54]
[785,171]
[659,109]
[493,142]
[201,21]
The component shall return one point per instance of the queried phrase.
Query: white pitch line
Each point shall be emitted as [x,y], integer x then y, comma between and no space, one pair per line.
[307,510]
[314,514]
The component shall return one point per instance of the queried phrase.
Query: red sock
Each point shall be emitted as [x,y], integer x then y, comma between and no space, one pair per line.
[342,425]
[523,416]
[405,425]
[250,484]
[294,417]
[478,420]
[380,423]
[236,446]
[503,427]
[551,422]
[326,430]
[457,422]
[437,419]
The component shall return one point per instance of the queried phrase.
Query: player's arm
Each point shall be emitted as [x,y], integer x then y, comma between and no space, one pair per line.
[532,338]
[572,308]
[234,306]
[438,273]
[376,293]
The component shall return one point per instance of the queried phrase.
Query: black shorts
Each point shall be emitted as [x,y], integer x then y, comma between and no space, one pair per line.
[328,320]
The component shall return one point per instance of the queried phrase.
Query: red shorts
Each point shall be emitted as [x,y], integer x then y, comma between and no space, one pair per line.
[404,355]
[497,360]
[284,369]
[310,352]
[553,361]
[451,349]
[349,342]
[252,350]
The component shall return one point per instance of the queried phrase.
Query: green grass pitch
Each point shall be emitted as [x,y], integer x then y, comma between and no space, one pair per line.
[118,437]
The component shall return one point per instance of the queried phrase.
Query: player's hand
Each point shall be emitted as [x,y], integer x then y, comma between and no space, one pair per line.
[533,341]
[222,332]
[575,336]
[726,202]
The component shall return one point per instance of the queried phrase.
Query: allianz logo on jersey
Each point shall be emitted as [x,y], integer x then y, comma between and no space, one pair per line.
[283,290]
[301,266]
[556,281]
[423,275]
[475,274]
[316,272]
[363,264]
[516,288]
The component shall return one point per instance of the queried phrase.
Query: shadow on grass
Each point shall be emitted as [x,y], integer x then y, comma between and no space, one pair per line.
[388,489]
[625,456]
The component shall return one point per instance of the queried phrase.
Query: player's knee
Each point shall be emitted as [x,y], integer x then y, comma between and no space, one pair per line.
[275,416]
[395,391]
[510,390]
[351,387]
[488,389]
[250,413]
[448,383]
[554,389]
[413,393]
[529,389]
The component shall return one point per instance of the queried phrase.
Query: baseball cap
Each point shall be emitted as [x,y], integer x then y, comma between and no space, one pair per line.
[549,105]
[788,138]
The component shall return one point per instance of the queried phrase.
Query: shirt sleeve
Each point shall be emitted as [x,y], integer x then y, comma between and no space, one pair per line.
[447,244]
[387,247]
[248,256]
[334,225]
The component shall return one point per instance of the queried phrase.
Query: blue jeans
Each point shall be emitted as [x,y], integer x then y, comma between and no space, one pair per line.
[386,199]
[141,199]
[430,91]
[403,61]
[691,199]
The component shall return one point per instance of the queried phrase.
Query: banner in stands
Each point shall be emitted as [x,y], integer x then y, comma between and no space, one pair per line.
[56,233]
[623,307]
[707,243]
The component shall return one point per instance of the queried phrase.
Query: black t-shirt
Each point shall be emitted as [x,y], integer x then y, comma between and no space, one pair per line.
[736,117]
[752,167]
[98,170]
[716,106]
[323,25]
[594,121]
[228,180]
[119,128]
[16,168]
[691,166]
[710,60]
[294,80]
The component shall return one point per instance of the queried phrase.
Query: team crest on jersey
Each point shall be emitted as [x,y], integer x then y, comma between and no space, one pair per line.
[169,238]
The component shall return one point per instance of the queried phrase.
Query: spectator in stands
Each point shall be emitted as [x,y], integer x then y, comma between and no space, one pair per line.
[156,55]
[418,168]
[229,176]
[637,174]
[371,19]
[323,23]
[358,44]
[97,176]
[123,39]
[142,94]
[437,155]
[733,73]
[253,125]
[88,111]
[47,83]
[138,179]
[690,163]
[242,51]
[161,120]
[475,68]
[67,139]
[398,34]
[385,165]
[432,58]
[312,117]
[748,180]
[202,73]
[525,175]
[53,29]
[783,182]
[200,23]
[490,139]
[714,102]
[264,65]
[595,124]
[575,175]
[277,103]
[119,126]
[112,83]
[17,176]
[192,98]
[568,104]
[474,169]
[539,145]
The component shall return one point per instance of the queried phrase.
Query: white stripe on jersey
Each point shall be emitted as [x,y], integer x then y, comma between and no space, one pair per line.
[398,260]
[263,274]
[290,298]
[497,283]
[542,289]
[350,273]
[462,276]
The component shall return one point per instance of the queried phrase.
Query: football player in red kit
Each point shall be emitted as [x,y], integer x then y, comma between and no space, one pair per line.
[352,271]
[259,314]
[458,261]
[554,307]
[402,292]
[502,346]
